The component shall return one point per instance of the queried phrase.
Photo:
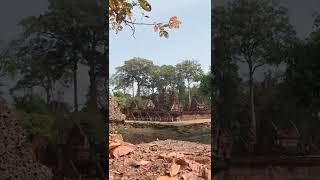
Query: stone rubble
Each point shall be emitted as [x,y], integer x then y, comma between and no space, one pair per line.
[17,159]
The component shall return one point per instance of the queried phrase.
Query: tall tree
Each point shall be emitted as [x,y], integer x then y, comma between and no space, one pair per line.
[190,71]
[258,31]
[41,69]
[168,75]
[136,70]
[154,78]
[79,27]
[121,81]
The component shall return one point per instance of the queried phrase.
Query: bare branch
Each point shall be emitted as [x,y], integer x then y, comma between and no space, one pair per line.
[136,23]
[257,66]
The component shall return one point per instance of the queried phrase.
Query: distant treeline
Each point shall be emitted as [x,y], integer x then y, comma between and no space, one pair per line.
[186,79]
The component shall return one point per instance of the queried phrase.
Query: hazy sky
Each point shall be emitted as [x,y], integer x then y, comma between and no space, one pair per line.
[191,41]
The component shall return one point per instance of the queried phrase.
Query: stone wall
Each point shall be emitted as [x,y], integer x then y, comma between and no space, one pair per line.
[188,117]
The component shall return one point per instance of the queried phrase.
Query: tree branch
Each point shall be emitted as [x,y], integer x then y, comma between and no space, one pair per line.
[256,66]
[135,23]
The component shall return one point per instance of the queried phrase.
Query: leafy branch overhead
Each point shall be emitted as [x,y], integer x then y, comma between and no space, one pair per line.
[121,14]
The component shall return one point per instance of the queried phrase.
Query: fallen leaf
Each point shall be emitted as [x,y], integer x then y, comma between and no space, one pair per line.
[121,151]
[168,178]
[174,169]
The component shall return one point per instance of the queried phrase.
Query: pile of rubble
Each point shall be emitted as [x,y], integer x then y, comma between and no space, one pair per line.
[17,159]
[161,160]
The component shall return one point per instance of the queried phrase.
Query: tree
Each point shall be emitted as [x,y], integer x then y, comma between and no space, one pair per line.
[121,14]
[190,71]
[43,69]
[258,32]
[68,24]
[136,70]
[168,75]
[206,86]
[225,91]
[77,26]
[121,81]
[4,62]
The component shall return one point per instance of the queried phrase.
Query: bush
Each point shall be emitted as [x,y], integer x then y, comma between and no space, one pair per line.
[30,104]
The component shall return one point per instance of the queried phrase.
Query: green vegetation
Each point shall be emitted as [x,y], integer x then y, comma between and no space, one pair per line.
[186,79]
[258,33]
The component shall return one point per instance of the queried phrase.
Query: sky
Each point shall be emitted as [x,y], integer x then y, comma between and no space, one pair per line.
[191,41]
[299,11]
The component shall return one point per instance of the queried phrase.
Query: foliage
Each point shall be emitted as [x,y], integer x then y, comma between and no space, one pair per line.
[227,93]
[42,69]
[30,104]
[73,29]
[206,87]
[257,32]
[149,76]
[190,71]
[121,98]
[37,123]
[135,70]
[121,14]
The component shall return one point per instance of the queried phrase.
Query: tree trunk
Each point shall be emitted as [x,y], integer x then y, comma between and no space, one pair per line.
[138,89]
[47,86]
[75,85]
[48,99]
[189,96]
[93,102]
[253,128]
[132,89]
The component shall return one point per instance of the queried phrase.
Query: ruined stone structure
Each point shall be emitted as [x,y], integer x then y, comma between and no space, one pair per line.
[115,113]
[17,158]
[165,107]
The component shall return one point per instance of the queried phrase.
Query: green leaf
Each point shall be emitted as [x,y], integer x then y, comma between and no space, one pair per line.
[145,5]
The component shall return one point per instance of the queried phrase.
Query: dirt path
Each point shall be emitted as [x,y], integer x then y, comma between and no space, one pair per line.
[176,123]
